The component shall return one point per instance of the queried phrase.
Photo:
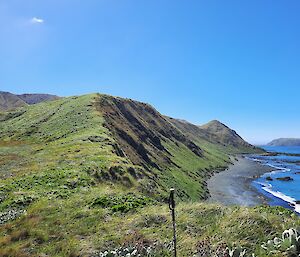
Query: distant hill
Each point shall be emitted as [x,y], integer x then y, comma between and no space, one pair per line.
[285,142]
[216,133]
[37,98]
[9,101]
[219,132]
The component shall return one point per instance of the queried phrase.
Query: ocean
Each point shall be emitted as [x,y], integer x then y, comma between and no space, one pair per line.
[282,193]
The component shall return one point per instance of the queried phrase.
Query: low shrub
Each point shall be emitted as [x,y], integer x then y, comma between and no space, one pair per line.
[122,203]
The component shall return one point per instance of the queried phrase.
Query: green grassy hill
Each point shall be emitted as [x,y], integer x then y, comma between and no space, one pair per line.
[113,139]
[88,173]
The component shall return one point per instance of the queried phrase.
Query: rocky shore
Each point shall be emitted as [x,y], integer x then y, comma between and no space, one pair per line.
[233,186]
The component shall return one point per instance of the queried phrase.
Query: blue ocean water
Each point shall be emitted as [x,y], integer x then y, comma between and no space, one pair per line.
[283,193]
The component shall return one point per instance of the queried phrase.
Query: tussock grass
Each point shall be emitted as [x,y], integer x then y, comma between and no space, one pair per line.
[64,226]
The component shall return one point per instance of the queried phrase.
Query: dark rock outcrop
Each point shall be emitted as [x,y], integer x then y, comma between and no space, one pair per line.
[287,178]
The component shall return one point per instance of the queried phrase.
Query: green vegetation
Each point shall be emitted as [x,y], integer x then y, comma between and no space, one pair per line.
[122,203]
[73,228]
[288,243]
[190,176]
[82,175]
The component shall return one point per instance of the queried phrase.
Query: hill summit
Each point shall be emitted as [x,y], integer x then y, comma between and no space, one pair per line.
[221,133]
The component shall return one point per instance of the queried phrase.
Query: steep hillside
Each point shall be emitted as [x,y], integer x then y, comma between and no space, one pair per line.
[142,132]
[79,175]
[121,140]
[9,101]
[117,139]
[285,142]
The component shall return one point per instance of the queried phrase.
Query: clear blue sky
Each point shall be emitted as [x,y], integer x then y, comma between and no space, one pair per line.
[235,61]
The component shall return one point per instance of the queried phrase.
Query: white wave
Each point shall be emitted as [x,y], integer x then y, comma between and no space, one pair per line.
[278,168]
[262,184]
[297,208]
[253,159]
[266,163]
[283,197]
[268,187]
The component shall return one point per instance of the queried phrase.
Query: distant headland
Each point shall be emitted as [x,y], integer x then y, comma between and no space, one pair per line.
[285,142]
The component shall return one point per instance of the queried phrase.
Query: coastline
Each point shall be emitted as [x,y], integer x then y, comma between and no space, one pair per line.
[233,185]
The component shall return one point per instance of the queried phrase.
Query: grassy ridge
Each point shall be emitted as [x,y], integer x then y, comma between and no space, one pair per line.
[69,134]
[66,133]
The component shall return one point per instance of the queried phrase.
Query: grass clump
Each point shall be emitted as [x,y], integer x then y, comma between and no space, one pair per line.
[122,203]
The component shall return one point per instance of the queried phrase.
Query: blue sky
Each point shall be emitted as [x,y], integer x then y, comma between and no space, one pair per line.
[235,61]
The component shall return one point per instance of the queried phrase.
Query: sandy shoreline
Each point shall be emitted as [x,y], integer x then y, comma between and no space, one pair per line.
[233,186]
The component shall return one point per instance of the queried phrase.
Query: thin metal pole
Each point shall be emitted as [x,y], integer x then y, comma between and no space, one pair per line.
[172,208]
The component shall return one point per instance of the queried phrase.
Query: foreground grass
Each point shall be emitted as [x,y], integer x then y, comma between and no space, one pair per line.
[77,227]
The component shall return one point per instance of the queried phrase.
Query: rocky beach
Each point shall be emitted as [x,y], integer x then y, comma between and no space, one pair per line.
[233,185]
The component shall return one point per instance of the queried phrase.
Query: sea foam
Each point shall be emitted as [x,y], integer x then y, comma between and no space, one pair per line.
[286,198]
[287,191]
